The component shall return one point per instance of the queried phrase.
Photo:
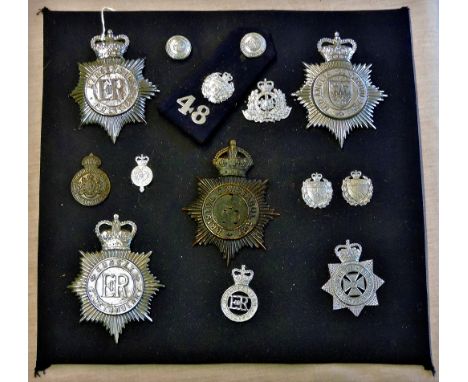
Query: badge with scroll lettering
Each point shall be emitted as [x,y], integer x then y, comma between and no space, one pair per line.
[112,91]
[115,285]
[231,211]
[337,94]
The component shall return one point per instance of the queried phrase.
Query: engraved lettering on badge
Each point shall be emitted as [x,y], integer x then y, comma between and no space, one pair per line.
[115,286]
[111,89]
[239,302]
[198,115]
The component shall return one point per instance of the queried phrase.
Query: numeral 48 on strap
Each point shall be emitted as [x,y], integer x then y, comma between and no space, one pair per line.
[199,115]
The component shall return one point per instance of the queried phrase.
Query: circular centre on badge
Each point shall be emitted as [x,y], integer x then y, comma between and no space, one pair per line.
[111,90]
[353,284]
[115,286]
[230,211]
[239,303]
[339,93]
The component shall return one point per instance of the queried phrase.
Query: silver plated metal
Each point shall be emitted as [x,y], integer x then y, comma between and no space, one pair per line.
[266,104]
[141,175]
[239,302]
[352,283]
[253,45]
[337,94]
[357,189]
[317,191]
[115,285]
[218,87]
[178,47]
[112,91]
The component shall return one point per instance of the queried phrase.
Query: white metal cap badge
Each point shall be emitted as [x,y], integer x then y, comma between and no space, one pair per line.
[111,91]
[115,285]
[338,94]
[352,283]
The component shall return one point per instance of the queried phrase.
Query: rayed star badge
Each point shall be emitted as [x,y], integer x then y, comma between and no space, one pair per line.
[112,91]
[115,285]
[337,94]
[352,283]
[231,211]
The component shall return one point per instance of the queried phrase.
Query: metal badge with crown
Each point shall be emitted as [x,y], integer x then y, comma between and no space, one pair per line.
[231,211]
[352,283]
[115,285]
[141,175]
[337,94]
[90,186]
[111,91]
[266,104]
[317,191]
[239,302]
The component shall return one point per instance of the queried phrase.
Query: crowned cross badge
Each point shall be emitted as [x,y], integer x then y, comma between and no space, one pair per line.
[231,211]
[111,91]
[352,283]
[266,104]
[337,94]
[115,285]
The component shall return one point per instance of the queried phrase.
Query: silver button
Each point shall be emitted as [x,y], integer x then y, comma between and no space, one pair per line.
[253,45]
[178,47]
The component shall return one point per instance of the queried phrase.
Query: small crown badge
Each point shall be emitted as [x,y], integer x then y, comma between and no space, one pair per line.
[337,94]
[141,175]
[231,211]
[357,189]
[218,87]
[353,283]
[239,302]
[232,160]
[266,104]
[116,237]
[115,285]
[317,191]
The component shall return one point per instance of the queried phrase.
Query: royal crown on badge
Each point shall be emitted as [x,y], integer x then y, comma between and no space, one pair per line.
[231,211]
[337,94]
[317,191]
[115,285]
[112,91]
[352,283]
[266,104]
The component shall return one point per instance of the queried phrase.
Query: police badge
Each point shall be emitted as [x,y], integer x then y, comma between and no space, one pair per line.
[115,285]
[357,189]
[352,283]
[337,94]
[239,302]
[218,87]
[231,211]
[266,104]
[317,191]
[111,91]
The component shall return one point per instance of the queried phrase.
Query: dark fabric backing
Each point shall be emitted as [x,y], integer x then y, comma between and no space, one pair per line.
[295,322]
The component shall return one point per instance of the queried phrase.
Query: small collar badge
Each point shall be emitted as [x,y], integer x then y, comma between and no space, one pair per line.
[111,91]
[231,211]
[218,87]
[141,175]
[266,104]
[337,94]
[90,186]
[317,191]
[352,283]
[115,285]
[239,302]
[357,189]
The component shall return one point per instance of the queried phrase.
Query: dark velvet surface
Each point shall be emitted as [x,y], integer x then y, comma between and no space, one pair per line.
[295,321]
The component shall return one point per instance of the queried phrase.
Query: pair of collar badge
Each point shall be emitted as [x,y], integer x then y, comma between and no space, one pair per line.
[115,285]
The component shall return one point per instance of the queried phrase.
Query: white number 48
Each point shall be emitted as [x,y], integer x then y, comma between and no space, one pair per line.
[199,115]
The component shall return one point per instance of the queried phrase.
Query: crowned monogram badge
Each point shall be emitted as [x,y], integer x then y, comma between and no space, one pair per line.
[231,211]
[141,175]
[352,283]
[115,285]
[239,302]
[266,104]
[111,91]
[337,94]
